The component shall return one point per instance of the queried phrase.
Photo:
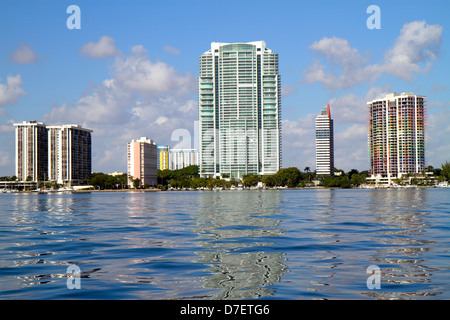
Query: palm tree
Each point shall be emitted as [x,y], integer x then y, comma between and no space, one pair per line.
[136,183]
[307,170]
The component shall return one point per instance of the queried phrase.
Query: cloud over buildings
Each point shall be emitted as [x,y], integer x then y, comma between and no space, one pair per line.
[10,91]
[141,98]
[339,66]
[413,51]
[105,47]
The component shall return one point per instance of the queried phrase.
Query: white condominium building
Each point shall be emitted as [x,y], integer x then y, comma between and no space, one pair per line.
[239,110]
[69,154]
[60,154]
[324,143]
[182,158]
[31,151]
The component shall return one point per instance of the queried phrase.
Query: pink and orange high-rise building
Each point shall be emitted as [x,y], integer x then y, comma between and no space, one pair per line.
[142,155]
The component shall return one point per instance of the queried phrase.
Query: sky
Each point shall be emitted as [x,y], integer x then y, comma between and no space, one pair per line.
[131,69]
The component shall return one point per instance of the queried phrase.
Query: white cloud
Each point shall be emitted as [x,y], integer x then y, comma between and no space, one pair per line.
[351,108]
[417,43]
[287,89]
[299,142]
[341,56]
[161,120]
[24,54]
[415,48]
[138,72]
[350,148]
[7,127]
[141,98]
[5,159]
[104,48]
[437,147]
[11,91]
[189,107]
[172,50]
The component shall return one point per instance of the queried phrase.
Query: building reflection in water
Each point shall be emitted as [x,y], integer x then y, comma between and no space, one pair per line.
[236,231]
[403,243]
[324,257]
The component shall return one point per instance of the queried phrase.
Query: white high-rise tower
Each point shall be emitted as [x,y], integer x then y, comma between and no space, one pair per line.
[324,143]
[239,110]
[396,127]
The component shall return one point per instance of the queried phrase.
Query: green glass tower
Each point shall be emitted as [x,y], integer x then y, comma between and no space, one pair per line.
[239,110]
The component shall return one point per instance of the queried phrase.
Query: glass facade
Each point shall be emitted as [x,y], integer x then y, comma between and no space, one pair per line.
[239,110]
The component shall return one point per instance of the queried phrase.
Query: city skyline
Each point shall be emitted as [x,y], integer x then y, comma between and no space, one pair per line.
[139,78]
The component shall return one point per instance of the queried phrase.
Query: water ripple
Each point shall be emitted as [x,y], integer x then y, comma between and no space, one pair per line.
[284,244]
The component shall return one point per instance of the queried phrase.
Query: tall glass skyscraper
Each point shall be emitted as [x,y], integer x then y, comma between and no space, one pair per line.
[239,110]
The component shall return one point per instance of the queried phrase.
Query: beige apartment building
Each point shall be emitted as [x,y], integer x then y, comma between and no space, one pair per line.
[142,161]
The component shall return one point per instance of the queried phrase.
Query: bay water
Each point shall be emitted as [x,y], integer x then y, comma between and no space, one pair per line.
[229,244]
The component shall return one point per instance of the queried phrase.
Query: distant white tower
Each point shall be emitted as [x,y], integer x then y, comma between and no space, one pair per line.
[324,143]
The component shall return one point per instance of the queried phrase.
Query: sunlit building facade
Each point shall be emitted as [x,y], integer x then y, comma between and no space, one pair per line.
[324,143]
[239,110]
[142,158]
[163,157]
[31,151]
[396,136]
[60,154]
[69,154]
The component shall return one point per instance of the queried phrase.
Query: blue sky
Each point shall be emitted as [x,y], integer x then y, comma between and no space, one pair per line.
[131,69]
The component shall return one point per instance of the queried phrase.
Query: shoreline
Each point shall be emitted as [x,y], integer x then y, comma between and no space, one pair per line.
[241,189]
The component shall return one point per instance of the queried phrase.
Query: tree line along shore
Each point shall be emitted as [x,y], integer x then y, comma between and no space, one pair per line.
[189,178]
[292,177]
